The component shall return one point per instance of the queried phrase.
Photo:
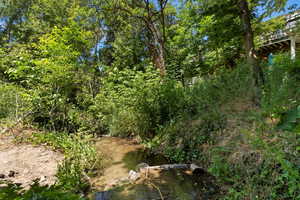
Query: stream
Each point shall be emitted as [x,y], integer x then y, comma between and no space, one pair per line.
[123,155]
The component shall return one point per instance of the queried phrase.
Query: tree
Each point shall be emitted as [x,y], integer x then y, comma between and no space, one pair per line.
[251,56]
[151,14]
[245,16]
[12,14]
[217,26]
[234,19]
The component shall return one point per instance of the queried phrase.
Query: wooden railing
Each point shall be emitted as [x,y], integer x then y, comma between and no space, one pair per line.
[293,17]
[292,21]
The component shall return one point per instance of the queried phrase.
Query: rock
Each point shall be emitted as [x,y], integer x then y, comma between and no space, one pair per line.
[42,179]
[11,173]
[133,175]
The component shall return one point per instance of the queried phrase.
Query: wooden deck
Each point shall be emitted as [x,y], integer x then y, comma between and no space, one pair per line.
[287,39]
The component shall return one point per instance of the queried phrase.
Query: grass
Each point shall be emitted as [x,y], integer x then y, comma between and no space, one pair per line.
[254,160]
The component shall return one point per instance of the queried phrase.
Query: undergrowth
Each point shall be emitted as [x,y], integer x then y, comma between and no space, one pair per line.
[81,159]
[265,169]
[253,151]
[36,192]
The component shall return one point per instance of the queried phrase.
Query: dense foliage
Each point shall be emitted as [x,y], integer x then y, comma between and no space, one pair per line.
[183,77]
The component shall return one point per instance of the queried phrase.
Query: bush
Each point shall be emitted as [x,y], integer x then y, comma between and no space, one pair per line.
[138,103]
[283,155]
[210,93]
[182,139]
[14,102]
[159,106]
[118,106]
[49,71]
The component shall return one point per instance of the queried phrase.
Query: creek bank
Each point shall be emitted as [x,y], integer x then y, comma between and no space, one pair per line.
[22,164]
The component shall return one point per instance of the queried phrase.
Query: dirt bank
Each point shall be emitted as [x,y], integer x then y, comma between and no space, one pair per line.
[22,163]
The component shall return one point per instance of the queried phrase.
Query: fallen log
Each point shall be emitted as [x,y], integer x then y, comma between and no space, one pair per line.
[193,167]
[169,166]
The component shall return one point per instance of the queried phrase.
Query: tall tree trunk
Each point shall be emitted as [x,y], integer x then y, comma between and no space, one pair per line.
[158,56]
[162,4]
[257,73]
[157,49]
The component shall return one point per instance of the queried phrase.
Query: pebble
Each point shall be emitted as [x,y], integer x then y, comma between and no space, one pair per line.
[42,179]
[11,173]
[133,176]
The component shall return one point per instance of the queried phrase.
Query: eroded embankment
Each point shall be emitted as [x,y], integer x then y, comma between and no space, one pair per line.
[24,163]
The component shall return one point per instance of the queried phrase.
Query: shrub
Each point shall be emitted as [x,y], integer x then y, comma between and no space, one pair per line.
[160,105]
[49,71]
[183,139]
[14,102]
[117,105]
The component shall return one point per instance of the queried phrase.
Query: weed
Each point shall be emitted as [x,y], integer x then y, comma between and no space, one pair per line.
[36,192]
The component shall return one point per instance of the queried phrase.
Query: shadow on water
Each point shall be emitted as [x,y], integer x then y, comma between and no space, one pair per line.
[170,184]
[133,158]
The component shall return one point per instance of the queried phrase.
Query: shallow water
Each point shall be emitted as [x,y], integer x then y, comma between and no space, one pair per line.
[124,155]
